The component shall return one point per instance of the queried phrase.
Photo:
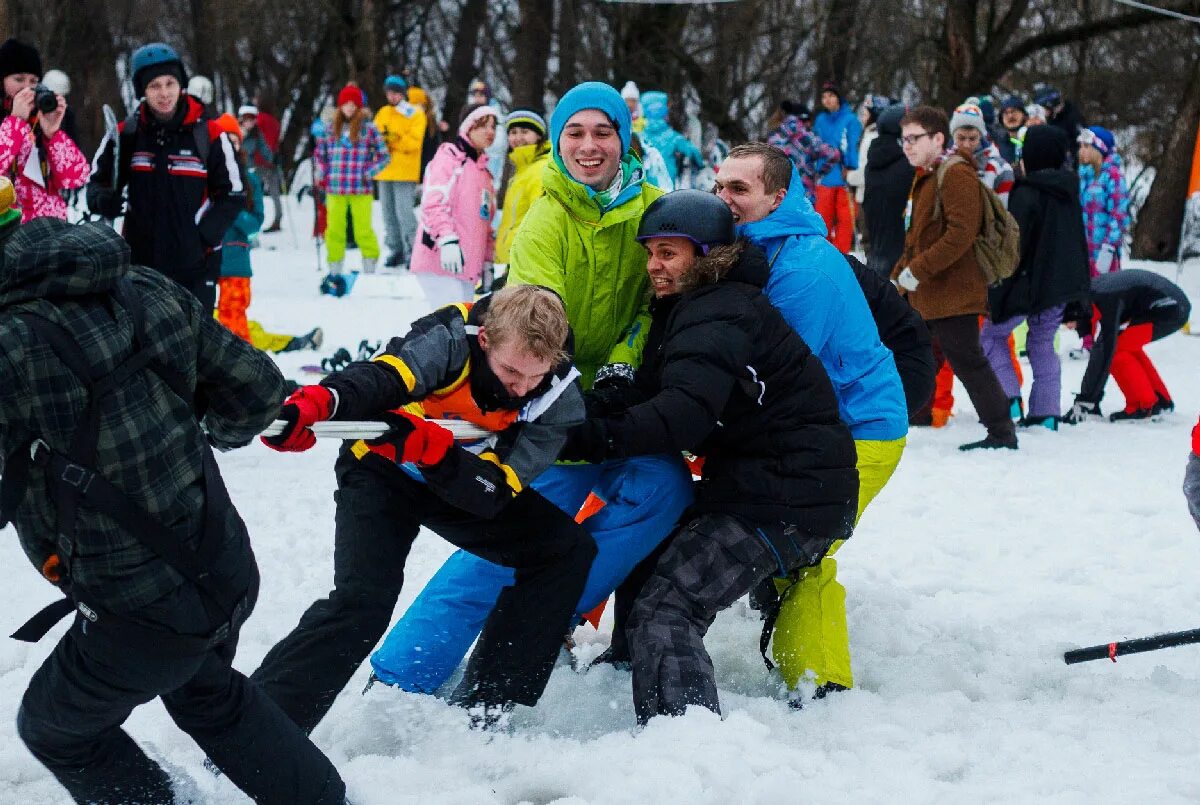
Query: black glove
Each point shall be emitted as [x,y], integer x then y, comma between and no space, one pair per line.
[586,442]
[612,391]
[1081,410]
[105,202]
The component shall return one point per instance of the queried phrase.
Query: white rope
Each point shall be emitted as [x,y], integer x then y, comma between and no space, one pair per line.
[463,431]
[1166,12]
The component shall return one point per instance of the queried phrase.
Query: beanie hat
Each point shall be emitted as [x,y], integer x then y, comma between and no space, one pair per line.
[479,85]
[247,110]
[57,81]
[591,95]
[228,124]
[350,94]
[1099,138]
[526,119]
[201,88]
[1048,97]
[1045,147]
[630,91]
[474,116]
[968,116]
[395,83]
[1012,102]
[417,96]
[794,108]
[830,86]
[1035,111]
[654,105]
[19,57]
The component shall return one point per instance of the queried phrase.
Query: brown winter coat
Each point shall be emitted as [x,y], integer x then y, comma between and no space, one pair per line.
[940,251]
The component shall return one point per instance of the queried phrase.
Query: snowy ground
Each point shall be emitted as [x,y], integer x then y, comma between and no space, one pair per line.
[968,578]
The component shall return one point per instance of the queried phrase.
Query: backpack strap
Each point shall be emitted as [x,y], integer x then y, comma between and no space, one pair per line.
[940,177]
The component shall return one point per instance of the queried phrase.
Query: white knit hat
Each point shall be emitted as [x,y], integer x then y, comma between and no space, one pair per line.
[631,91]
[247,110]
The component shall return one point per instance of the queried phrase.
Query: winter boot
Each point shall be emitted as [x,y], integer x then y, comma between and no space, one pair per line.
[1016,408]
[939,417]
[396,260]
[1047,422]
[310,340]
[1163,406]
[991,443]
[368,266]
[1129,416]
[337,361]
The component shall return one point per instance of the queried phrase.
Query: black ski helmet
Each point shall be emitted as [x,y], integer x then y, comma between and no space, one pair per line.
[693,214]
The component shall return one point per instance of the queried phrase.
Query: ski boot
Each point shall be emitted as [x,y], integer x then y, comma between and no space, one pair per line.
[1129,416]
[1047,422]
[1016,408]
[1163,406]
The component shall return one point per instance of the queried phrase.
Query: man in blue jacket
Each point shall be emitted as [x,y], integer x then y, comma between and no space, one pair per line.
[814,288]
[837,126]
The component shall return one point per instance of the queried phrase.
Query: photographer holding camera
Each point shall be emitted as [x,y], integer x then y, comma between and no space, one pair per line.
[35,153]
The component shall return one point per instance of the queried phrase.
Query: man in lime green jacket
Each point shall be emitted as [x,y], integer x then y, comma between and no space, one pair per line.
[579,240]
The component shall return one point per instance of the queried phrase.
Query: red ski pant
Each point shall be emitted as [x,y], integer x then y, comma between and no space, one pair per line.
[837,208]
[1135,374]
[231,309]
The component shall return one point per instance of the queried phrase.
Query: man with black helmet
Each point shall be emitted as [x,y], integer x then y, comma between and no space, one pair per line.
[725,378]
[183,179]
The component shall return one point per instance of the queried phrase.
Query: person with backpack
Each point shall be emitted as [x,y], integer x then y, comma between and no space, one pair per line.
[1129,309]
[183,181]
[939,270]
[504,364]
[36,153]
[117,386]
[1052,273]
[726,378]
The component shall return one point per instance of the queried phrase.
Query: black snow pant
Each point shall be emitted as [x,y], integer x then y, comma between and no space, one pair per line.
[379,513]
[958,339]
[710,563]
[71,715]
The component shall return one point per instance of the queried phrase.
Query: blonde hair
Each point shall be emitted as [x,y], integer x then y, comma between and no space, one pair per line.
[532,315]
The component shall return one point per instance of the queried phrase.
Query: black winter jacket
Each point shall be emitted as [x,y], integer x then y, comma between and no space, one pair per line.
[1131,296]
[903,331]
[179,207]
[151,446]
[725,377]
[1053,269]
[887,181]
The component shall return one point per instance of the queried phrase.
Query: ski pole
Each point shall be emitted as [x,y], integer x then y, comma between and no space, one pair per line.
[463,431]
[1152,643]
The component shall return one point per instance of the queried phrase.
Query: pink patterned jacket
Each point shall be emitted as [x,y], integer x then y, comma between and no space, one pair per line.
[68,169]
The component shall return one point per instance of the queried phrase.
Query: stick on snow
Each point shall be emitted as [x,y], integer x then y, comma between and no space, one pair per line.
[463,431]
[1122,647]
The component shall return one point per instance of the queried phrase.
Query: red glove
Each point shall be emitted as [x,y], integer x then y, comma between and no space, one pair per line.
[307,405]
[413,440]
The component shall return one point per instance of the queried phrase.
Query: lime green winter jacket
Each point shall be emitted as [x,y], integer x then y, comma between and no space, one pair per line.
[591,259]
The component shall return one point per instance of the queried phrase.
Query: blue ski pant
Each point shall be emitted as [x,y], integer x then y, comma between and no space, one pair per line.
[645,497]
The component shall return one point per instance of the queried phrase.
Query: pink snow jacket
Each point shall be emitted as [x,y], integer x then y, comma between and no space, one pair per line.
[66,169]
[458,199]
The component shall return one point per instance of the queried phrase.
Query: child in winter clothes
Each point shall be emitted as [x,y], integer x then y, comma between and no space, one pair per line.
[1052,272]
[1131,309]
[454,238]
[838,126]
[529,152]
[811,156]
[402,125]
[35,152]
[724,377]
[236,272]
[345,161]
[1105,198]
[503,364]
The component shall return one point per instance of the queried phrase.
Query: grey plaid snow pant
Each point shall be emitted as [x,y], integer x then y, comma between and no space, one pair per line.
[1191,487]
[712,562]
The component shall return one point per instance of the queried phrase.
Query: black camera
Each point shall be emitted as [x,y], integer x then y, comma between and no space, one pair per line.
[44,99]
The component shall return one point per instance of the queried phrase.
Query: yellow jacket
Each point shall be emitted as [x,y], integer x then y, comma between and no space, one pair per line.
[524,188]
[403,131]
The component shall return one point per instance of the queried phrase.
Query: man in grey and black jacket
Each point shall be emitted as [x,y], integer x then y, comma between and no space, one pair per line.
[117,383]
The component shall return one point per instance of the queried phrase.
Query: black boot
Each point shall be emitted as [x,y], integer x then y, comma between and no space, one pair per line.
[1163,406]
[395,260]
[991,443]
[1127,416]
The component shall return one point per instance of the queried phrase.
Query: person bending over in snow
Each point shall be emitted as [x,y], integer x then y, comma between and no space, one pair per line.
[1132,308]
[725,377]
[504,364]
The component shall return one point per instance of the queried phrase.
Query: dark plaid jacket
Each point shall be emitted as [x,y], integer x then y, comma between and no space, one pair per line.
[150,443]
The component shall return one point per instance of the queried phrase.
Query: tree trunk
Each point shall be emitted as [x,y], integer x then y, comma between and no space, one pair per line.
[955,78]
[532,45]
[202,52]
[1156,233]
[833,53]
[568,44]
[462,59]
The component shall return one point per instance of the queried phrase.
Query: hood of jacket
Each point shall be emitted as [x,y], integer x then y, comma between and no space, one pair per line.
[655,111]
[884,152]
[1058,182]
[525,155]
[794,216]
[49,258]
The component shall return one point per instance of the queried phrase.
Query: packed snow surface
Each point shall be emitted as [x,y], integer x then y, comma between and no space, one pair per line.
[966,580]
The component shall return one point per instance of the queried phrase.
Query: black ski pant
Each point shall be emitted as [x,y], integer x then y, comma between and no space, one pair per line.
[379,513]
[71,715]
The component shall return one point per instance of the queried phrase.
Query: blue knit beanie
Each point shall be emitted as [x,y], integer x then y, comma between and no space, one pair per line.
[396,83]
[1102,139]
[591,95]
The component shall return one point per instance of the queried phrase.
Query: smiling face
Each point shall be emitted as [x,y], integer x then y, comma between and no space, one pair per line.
[163,94]
[516,369]
[590,148]
[668,259]
[519,136]
[740,185]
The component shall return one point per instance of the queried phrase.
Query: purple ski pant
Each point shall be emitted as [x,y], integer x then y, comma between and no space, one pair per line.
[1045,396]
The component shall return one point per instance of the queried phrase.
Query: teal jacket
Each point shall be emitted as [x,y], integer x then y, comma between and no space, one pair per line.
[812,285]
[235,249]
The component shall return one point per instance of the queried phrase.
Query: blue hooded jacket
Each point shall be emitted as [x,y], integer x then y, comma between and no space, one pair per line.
[812,285]
[842,130]
[666,140]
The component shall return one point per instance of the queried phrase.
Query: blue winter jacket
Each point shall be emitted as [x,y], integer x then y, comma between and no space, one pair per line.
[235,249]
[842,130]
[813,287]
[668,142]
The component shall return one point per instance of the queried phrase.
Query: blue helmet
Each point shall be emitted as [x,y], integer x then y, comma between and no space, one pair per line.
[155,55]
